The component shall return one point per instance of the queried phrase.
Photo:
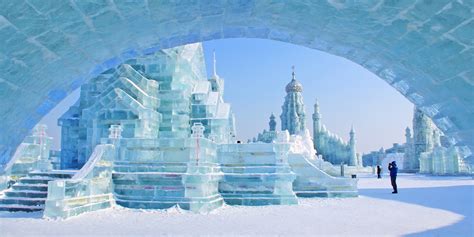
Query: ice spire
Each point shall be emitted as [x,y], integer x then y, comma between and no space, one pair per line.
[272,123]
[214,71]
[293,114]
[352,143]
[293,73]
[316,106]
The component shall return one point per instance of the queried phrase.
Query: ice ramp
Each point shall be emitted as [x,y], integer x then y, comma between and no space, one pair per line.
[88,190]
[313,182]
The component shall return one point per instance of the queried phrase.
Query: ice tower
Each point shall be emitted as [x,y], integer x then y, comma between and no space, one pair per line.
[332,147]
[293,112]
[270,135]
[426,152]
[422,137]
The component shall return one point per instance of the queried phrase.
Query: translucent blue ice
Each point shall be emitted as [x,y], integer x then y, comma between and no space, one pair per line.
[50,48]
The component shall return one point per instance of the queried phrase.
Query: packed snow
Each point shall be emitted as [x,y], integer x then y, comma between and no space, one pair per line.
[425,206]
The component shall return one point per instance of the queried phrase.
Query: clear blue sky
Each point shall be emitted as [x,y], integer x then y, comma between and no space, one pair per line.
[256,72]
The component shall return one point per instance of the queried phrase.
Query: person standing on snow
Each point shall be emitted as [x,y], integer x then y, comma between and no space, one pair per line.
[393,175]
[379,170]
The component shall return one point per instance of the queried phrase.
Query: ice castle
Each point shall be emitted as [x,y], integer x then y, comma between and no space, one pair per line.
[326,145]
[427,151]
[154,133]
[331,146]
[430,152]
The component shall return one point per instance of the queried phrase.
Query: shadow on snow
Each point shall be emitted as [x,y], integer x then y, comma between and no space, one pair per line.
[456,199]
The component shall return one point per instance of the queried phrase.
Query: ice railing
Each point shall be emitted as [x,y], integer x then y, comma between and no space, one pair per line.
[88,190]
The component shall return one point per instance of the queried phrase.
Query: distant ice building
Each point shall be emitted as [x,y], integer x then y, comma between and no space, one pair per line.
[427,151]
[293,114]
[332,147]
[270,135]
[432,152]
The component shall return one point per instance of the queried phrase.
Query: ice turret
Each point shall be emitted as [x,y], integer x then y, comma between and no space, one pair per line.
[330,146]
[293,112]
[272,123]
[352,149]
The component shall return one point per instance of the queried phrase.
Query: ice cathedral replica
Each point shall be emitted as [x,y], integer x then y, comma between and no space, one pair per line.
[155,133]
[326,144]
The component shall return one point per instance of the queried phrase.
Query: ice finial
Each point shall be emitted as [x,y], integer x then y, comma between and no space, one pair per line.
[352,129]
[115,131]
[214,73]
[293,73]
[316,106]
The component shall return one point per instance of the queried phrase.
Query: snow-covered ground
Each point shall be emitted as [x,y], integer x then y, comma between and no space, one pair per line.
[425,206]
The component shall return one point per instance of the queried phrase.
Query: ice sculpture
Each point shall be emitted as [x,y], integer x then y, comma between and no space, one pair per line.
[330,146]
[428,151]
[157,100]
[33,154]
[293,114]
[270,135]
[177,143]
[89,189]
[257,173]
[156,133]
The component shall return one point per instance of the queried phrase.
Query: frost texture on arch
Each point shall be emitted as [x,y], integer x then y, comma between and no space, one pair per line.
[424,49]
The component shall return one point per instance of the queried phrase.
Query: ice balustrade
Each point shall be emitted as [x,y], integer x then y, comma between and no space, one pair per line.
[311,180]
[88,190]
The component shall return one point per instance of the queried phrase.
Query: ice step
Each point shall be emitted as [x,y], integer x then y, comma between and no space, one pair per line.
[35,180]
[57,174]
[23,201]
[26,193]
[16,207]
[32,187]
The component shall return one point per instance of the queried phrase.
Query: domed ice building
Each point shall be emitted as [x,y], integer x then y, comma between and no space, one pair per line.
[330,146]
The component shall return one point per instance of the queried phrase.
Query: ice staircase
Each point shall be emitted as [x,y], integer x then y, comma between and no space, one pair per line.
[160,174]
[313,182]
[29,193]
[256,174]
[136,184]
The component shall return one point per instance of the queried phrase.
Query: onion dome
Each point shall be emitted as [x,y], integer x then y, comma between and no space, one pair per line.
[293,86]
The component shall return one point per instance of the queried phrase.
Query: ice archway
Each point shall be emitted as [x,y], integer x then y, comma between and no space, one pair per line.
[424,49]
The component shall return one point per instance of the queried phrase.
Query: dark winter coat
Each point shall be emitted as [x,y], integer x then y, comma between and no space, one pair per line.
[393,169]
